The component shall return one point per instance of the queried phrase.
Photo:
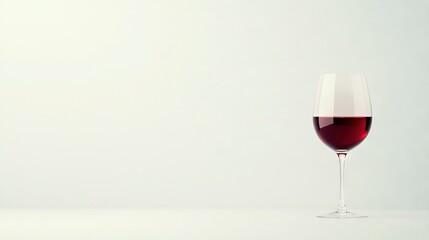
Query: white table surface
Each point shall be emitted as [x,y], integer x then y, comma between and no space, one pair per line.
[208,224]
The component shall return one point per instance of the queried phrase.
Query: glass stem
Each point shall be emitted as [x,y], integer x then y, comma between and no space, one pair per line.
[342,204]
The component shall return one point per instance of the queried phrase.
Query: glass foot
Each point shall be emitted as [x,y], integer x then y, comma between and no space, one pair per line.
[346,214]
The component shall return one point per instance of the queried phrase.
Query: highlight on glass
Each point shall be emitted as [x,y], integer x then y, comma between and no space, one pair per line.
[342,119]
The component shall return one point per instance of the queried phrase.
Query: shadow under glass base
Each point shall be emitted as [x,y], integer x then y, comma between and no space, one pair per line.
[338,214]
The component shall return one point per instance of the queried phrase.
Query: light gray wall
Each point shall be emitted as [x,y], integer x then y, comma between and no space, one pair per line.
[207,103]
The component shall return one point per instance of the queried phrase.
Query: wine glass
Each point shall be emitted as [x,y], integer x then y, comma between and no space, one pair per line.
[342,119]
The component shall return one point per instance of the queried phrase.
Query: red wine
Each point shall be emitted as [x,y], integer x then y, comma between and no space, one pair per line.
[342,133]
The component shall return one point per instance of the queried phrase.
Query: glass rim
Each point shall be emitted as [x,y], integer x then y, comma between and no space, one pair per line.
[343,74]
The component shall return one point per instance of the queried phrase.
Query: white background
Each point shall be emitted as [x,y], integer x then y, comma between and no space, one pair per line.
[207,104]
